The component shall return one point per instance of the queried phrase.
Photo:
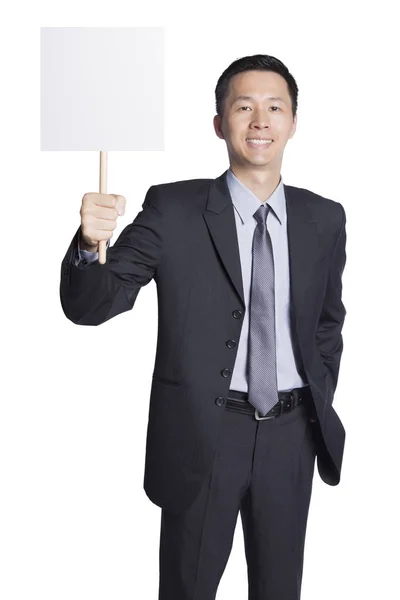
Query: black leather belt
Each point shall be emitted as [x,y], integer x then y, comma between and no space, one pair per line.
[287,401]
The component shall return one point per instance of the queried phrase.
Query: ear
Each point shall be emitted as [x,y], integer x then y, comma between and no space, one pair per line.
[293,126]
[218,127]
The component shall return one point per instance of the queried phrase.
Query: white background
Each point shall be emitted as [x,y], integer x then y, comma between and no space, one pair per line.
[74,519]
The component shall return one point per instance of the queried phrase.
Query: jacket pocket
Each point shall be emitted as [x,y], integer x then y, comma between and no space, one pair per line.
[166,380]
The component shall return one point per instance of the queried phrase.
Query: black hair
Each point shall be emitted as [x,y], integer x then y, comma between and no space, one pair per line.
[257,62]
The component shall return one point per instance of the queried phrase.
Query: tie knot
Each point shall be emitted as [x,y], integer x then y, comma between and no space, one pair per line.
[261,214]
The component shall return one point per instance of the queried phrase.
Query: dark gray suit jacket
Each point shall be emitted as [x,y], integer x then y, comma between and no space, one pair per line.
[185,238]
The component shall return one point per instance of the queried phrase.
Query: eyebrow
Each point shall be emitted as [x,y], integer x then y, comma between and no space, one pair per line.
[251,98]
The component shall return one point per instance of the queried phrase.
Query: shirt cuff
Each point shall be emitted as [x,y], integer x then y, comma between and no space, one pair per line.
[85,257]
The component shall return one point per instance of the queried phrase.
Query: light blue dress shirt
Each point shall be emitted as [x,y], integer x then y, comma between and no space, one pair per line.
[245,204]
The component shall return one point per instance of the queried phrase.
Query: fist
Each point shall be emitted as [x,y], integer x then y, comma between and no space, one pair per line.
[99,214]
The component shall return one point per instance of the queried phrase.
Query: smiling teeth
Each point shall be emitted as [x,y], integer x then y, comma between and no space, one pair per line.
[259,141]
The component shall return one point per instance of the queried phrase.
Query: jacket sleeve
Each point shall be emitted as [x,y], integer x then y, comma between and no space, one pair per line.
[95,293]
[329,337]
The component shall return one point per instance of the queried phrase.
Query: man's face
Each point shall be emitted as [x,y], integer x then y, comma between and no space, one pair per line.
[258,117]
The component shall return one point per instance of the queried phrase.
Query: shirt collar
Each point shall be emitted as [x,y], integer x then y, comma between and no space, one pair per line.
[246,202]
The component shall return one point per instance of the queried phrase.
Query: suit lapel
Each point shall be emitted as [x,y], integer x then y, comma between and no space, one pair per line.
[220,219]
[303,242]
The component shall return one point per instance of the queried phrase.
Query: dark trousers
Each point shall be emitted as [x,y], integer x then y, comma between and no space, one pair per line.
[264,469]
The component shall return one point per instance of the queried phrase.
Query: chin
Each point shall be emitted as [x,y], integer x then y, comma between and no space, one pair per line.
[259,163]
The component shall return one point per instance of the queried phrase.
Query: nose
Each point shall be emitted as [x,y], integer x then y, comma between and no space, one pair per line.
[260,123]
[260,118]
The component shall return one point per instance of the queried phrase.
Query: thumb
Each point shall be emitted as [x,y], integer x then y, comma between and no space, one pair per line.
[120,204]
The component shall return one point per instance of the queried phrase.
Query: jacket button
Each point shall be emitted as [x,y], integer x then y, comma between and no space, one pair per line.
[225,372]
[219,401]
[66,271]
[231,343]
[237,314]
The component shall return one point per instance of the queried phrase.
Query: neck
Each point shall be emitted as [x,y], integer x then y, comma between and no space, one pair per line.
[261,183]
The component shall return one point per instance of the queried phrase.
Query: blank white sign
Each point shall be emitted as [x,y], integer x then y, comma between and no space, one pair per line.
[102,88]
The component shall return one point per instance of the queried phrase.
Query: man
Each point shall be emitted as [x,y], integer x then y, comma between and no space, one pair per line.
[248,273]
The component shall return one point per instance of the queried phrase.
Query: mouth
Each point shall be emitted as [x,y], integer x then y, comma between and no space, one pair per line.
[259,143]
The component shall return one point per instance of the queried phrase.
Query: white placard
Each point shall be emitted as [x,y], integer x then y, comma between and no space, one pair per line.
[102,88]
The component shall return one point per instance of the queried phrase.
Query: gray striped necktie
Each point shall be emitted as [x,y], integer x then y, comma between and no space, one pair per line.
[262,377]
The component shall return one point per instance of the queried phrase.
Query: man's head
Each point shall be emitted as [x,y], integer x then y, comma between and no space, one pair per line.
[270,112]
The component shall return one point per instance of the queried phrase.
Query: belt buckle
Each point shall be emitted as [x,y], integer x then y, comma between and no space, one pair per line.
[260,418]
[292,399]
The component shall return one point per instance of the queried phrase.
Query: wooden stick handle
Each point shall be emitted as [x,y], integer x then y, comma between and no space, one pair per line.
[103,190]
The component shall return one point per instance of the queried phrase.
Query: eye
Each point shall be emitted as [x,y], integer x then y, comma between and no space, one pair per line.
[271,107]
